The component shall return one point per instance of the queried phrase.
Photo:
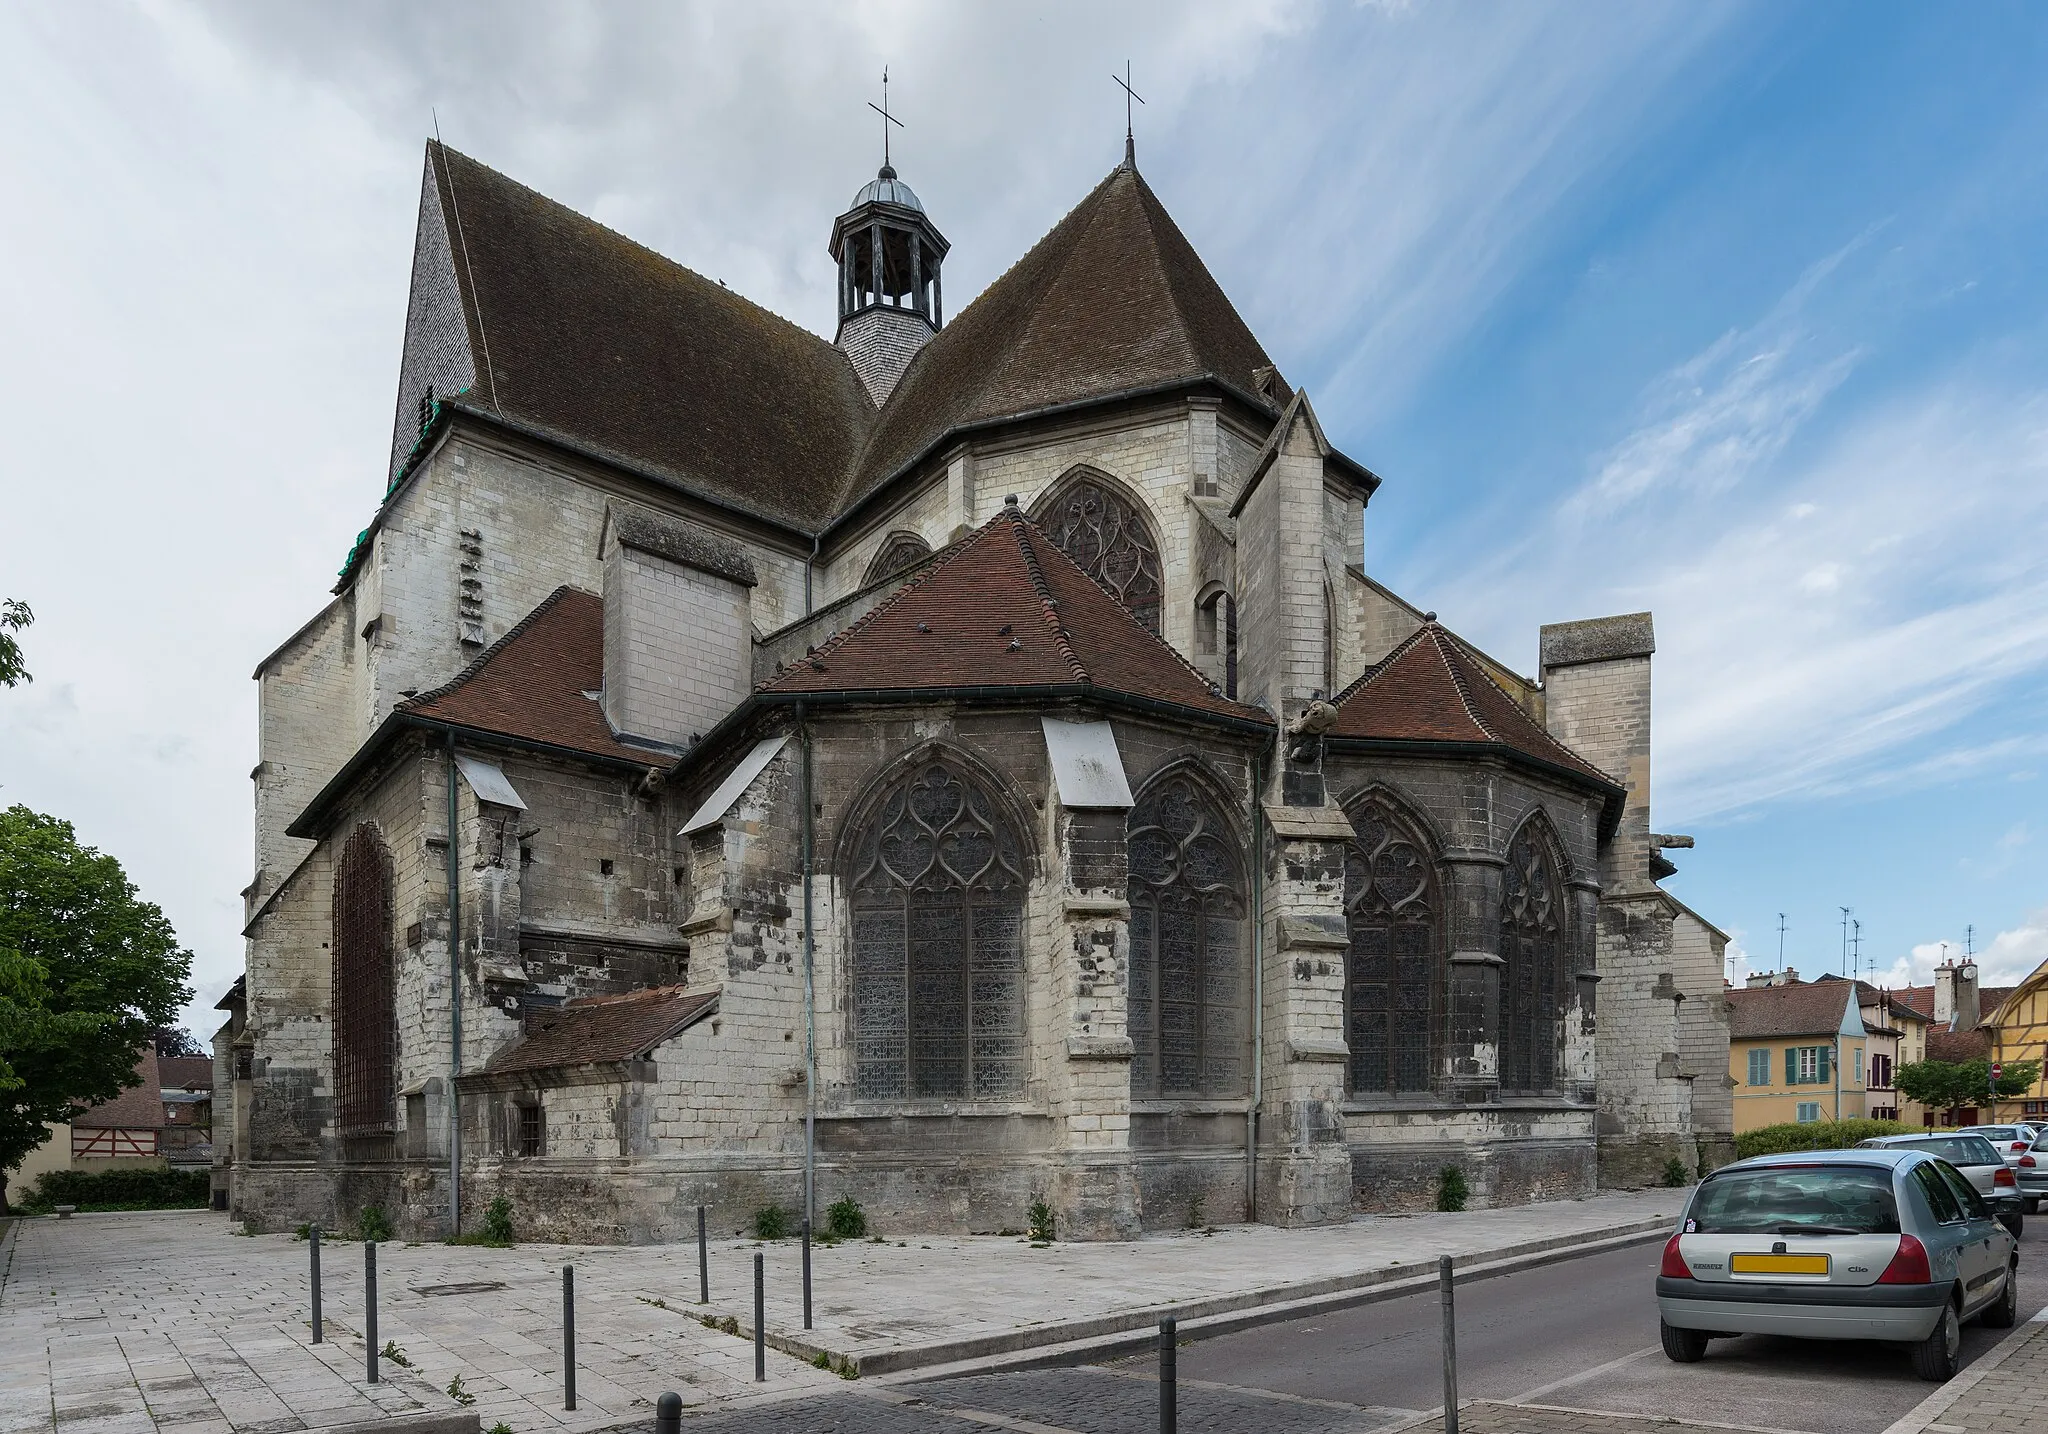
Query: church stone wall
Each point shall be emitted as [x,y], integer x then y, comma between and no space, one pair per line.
[305,732]
[1699,961]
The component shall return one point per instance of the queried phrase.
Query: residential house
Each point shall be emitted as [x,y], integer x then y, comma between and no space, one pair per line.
[1797,1051]
[1897,1036]
[126,1131]
[1957,1033]
[2019,1032]
[188,1108]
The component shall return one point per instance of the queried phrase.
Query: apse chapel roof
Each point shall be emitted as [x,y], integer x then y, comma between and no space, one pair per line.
[598,1030]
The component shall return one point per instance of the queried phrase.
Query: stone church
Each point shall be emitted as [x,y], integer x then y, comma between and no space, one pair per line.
[963,764]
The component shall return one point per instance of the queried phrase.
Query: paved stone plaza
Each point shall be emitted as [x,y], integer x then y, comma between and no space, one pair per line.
[175,1321]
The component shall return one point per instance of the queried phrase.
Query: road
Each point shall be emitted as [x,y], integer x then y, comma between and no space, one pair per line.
[1581,1333]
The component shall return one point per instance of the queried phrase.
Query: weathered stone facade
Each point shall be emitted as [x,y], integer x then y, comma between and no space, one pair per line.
[566,682]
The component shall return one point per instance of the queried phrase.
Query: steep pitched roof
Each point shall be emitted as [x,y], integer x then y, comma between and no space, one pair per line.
[1004,608]
[1800,1009]
[530,683]
[1432,688]
[1959,1047]
[1113,300]
[185,1072]
[601,1029]
[584,334]
[1921,999]
[139,1107]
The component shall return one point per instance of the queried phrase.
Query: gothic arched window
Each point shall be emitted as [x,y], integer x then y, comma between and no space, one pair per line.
[1190,1009]
[365,1023]
[1394,987]
[898,551]
[1106,536]
[937,887]
[1532,943]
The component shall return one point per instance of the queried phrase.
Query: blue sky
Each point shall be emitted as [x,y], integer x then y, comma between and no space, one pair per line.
[1733,312]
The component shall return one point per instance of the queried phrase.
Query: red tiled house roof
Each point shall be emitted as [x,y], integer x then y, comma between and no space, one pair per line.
[1799,1009]
[1005,610]
[139,1107]
[600,1030]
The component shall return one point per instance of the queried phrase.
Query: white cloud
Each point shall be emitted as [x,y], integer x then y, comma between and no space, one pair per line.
[2006,960]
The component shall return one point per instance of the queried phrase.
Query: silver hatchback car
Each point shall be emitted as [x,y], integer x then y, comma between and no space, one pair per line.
[1885,1244]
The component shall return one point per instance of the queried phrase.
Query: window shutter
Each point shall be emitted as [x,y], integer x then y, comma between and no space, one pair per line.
[1824,1054]
[1791,1065]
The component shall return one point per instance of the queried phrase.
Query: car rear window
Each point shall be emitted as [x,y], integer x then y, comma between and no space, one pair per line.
[1998,1132]
[1800,1199]
[1955,1149]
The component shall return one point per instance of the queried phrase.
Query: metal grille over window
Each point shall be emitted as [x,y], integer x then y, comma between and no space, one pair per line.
[1107,539]
[1189,1009]
[529,1129]
[1532,943]
[1394,990]
[365,1026]
[938,885]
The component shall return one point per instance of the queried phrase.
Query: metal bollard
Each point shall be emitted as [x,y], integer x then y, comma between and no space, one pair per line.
[1169,1377]
[370,1305]
[568,1336]
[668,1414]
[760,1319]
[703,1262]
[807,1274]
[1443,1282]
[313,1242]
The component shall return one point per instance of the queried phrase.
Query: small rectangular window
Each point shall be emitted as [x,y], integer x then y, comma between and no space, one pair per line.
[1809,1110]
[529,1129]
[1759,1067]
[604,867]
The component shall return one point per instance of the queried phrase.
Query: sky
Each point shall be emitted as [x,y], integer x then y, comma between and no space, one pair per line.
[1733,312]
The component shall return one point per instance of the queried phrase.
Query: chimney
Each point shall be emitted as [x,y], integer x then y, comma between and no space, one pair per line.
[1759,979]
[1596,700]
[1968,1008]
[678,628]
[1944,993]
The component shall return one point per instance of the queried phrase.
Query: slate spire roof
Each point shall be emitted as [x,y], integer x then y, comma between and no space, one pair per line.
[1005,609]
[1432,688]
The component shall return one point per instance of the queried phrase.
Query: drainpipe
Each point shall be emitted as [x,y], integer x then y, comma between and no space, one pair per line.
[809,563]
[1251,1115]
[810,996]
[454,1009]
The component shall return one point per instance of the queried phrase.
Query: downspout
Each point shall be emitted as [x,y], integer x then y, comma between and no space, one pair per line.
[810,996]
[809,563]
[454,1010]
[1251,1115]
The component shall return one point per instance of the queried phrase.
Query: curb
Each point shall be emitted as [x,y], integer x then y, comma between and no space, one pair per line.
[1929,1410]
[1082,1340]
[410,1424]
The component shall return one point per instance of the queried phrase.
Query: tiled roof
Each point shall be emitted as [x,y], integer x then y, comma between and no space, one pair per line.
[1432,688]
[1921,998]
[1959,1047]
[139,1107]
[530,683]
[1004,608]
[1113,300]
[598,1030]
[608,344]
[180,1072]
[1800,1009]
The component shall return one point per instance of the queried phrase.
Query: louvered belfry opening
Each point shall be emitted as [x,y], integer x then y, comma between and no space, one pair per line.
[1190,1011]
[365,1025]
[1532,944]
[1394,988]
[938,881]
[1106,536]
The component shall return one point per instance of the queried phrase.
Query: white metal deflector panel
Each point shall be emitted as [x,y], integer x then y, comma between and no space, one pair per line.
[720,802]
[487,780]
[1086,765]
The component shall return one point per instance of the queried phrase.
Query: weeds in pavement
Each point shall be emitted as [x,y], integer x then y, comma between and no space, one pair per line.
[1451,1189]
[396,1355]
[845,1219]
[373,1225]
[1043,1222]
[1676,1176]
[771,1222]
[460,1395]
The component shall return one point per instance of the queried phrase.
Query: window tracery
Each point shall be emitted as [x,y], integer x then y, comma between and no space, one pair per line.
[1107,538]
[899,551]
[1394,987]
[1189,996]
[937,887]
[365,1021]
[1532,944]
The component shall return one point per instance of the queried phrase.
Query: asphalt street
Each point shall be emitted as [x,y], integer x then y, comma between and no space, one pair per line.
[1581,1333]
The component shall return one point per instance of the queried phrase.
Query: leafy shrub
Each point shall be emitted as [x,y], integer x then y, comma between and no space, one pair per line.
[498,1221]
[771,1222]
[373,1225]
[845,1219]
[1676,1176]
[1044,1224]
[1451,1189]
[1814,1135]
[120,1190]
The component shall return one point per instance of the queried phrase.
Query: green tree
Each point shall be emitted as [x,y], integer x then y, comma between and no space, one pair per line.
[1944,1085]
[14,614]
[88,971]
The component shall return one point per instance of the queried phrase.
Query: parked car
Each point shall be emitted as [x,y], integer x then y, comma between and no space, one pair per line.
[1979,1160]
[2012,1141]
[2032,1173]
[1878,1242]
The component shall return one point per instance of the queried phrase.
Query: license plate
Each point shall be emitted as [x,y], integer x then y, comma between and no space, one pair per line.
[1777,1264]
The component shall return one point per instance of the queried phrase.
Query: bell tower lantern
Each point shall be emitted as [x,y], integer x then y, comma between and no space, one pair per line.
[889,256]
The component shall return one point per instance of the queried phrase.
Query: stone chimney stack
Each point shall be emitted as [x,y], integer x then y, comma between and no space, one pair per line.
[1944,993]
[1969,1010]
[1596,700]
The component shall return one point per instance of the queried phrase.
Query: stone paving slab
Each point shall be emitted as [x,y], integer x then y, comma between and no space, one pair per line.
[2004,1392]
[176,1321]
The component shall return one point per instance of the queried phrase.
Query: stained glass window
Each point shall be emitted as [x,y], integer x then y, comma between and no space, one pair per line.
[938,956]
[1532,944]
[1394,990]
[365,1023]
[1108,540]
[1190,1014]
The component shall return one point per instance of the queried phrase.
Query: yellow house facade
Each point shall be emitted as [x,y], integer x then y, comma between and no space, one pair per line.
[2019,1032]
[1797,1051]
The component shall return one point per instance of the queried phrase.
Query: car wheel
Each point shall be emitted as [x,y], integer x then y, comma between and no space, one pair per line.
[1685,1346]
[2015,1222]
[2004,1313]
[1935,1357]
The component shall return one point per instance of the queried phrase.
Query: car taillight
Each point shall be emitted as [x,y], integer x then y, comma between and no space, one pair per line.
[2026,1162]
[1909,1266]
[2019,1145]
[2004,1176]
[1675,1266]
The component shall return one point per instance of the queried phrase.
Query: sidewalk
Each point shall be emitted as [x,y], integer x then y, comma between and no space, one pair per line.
[158,1321]
[2002,1393]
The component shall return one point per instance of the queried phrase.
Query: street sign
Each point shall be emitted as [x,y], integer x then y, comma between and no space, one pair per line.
[1997,1070]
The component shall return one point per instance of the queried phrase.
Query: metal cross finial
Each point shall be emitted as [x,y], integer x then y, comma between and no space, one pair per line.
[1124,82]
[882,109]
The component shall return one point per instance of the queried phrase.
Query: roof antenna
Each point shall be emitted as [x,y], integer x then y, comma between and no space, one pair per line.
[475,299]
[882,109]
[1130,145]
[1781,941]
